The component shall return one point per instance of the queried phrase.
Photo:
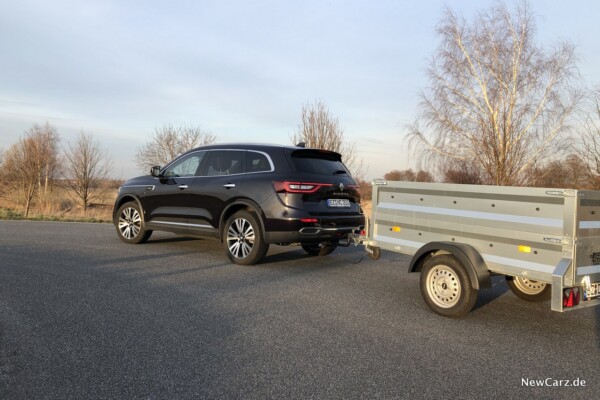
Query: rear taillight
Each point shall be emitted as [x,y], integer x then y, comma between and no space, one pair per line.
[298,187]
[571,297]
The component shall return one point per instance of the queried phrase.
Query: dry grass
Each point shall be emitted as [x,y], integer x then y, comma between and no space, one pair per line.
[59,205]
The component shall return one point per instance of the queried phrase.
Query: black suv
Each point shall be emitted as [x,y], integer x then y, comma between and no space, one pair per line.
[248,196]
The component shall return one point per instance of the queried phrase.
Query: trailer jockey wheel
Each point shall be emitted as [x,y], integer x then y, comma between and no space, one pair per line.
[373,252]
[446,286]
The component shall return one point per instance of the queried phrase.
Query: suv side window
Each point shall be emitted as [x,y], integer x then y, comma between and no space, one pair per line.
[225,162]
[185,166]
[257,162]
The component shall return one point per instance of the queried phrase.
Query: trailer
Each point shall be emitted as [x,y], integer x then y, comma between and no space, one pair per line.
[546,242]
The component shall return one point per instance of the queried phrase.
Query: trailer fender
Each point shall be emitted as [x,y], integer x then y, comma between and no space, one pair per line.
[467,255]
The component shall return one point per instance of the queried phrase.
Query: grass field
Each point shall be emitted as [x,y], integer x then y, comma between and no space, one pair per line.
[60,205]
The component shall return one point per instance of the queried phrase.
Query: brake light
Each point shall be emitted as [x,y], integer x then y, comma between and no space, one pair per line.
[298,187]
[571,297]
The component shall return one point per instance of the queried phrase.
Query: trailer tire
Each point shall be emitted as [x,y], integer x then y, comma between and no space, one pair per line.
[529,290]
[446,287]
[374,253]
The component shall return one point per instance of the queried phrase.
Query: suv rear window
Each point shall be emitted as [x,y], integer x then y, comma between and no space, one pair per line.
[321,162]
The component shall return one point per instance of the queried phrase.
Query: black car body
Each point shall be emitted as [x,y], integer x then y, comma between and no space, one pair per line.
[248,195]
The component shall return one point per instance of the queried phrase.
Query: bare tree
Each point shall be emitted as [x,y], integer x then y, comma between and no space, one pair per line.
[461,171]
[86,167]
[319,129]
[168,142]
[397,175]
[19,164]
[46,140]
[31,164]
[495,97]
[570,172]
[408,175]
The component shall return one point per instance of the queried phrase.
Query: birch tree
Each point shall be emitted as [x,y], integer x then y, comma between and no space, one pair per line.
[495,97]
[589,148]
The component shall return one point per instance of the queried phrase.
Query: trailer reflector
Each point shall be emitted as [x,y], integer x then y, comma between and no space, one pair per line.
[571,297]
[524,249]
[396,228]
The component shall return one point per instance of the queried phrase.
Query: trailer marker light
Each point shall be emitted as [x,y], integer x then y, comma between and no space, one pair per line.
[571,297]
[396,228]
[524,249]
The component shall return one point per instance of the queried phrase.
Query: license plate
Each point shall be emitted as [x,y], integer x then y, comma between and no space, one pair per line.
[344,203]
[593,290]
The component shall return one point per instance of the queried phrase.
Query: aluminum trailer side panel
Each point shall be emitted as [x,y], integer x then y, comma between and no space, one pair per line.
[511,228]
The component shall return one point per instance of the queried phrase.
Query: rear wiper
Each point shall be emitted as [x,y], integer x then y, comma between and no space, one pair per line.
[339,172]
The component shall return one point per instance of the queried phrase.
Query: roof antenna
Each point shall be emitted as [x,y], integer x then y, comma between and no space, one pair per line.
[301,144]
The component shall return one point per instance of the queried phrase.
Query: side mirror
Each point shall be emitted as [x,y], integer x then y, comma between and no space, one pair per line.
[155,171]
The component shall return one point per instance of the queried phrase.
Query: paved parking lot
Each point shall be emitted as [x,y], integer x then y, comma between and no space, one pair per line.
[83,315]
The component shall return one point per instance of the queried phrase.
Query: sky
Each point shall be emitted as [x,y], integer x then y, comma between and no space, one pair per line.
[240,69]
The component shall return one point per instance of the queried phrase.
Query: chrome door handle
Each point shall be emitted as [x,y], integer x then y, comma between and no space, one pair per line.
[229,185]
[182,187]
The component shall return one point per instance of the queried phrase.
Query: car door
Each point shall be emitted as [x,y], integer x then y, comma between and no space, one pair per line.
[166,204]
[218,184]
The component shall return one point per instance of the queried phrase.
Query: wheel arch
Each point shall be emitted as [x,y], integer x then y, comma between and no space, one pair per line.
[237,205]
[125,199]
[465,254]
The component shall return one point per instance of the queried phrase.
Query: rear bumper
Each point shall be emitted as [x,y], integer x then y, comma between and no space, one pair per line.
[294,231]
[308,235]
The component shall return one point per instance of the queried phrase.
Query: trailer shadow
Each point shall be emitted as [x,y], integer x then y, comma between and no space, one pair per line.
[486,296]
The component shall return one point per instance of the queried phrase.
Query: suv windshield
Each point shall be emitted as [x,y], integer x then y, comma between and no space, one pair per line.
[321,162]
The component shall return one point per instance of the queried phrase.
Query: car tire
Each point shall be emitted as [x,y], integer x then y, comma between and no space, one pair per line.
[529,290]
[130,225]
[446,286]
[319,249]
[243,238]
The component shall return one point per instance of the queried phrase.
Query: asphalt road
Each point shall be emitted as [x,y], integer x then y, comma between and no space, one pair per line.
[85,316]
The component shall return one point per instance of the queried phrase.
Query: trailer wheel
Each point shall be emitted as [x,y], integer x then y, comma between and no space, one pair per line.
[374,253]
[529,290]
[446,286]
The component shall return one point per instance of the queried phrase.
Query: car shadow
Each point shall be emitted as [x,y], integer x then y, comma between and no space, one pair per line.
[284,256]
[174,239]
